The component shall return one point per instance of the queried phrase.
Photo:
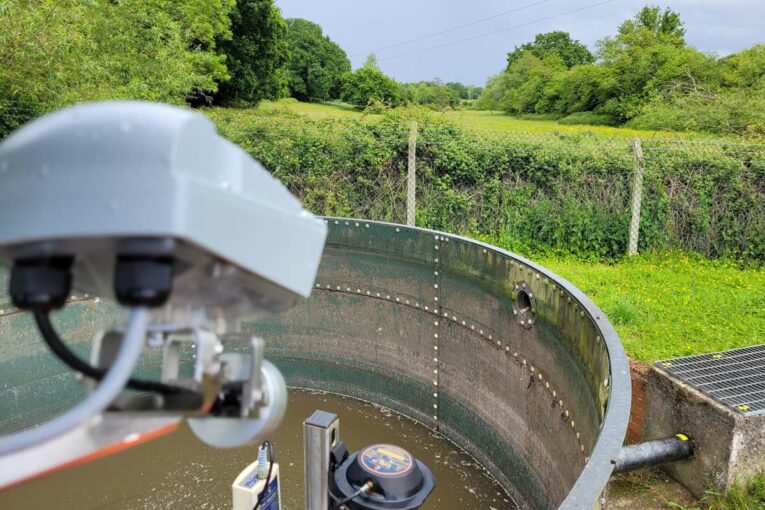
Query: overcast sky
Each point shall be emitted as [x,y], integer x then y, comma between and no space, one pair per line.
[362,26]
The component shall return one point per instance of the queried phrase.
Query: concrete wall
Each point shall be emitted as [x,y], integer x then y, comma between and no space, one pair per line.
[730,447]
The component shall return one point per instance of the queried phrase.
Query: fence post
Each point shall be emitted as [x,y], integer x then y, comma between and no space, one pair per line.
[411,176]
[637,197]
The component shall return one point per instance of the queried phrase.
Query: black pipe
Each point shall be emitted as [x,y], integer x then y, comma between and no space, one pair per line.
[652,453]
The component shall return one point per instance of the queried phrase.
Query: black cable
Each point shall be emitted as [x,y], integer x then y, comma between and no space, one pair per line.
[75,363]
[272,460]
[364,488]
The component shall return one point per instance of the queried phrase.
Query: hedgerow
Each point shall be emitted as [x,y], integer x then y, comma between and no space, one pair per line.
[567,193]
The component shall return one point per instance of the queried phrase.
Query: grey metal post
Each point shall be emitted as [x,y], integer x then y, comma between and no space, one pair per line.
[411,176]
[637,197]
[320,433]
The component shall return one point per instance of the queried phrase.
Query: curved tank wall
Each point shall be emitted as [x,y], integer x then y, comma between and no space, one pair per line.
[497,353]
[426,323]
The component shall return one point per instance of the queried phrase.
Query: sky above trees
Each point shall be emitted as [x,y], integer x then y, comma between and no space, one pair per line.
[722,26]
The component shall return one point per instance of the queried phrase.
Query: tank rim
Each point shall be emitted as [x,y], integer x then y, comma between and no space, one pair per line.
[592,481]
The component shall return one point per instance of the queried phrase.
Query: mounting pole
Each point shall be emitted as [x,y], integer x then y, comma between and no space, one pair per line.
[637,197]
[321,432]
[411,176]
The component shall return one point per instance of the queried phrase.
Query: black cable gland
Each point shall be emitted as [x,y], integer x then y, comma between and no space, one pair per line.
[143,281]
[41,284]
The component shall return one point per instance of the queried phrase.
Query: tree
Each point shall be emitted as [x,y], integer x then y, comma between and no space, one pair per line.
[528,85]
[256,54]
[431,93]
[366,85]
[743,69]
[371,63]
[664,26]
[647,55]
[560,44]
[459,89]
[57,53]
[316,64]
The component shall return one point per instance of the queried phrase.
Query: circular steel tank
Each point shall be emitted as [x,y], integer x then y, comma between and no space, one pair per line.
[500,355]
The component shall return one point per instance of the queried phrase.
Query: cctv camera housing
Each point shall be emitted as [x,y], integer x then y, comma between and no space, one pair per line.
[114,180]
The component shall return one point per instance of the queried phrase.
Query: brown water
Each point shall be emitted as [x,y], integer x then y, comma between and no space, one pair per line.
[178,471]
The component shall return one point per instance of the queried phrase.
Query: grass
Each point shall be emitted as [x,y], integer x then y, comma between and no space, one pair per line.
[470,119]
[673,305]
[743,497]
[649,489]
[500,121]
[314,111]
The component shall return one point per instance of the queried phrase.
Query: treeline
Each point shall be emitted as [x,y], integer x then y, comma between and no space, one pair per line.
[200,52]
[646,76]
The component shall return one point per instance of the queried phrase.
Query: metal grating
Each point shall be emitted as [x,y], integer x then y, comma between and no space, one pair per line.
[733,378]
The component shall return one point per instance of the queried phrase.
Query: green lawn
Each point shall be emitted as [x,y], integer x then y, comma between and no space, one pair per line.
[500,121]
[671,305]
[471,119]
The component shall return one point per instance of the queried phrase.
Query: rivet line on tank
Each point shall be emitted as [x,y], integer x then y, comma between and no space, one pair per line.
[472,327]
[437,312]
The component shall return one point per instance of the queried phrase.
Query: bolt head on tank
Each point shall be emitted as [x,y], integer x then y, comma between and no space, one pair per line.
[400,481]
